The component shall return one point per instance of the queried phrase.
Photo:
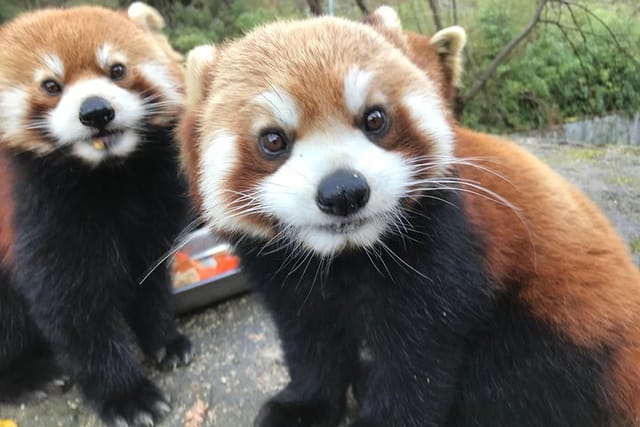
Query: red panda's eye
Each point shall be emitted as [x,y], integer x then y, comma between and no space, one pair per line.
[273,143]
[375,121]
[51,87]
[117,71]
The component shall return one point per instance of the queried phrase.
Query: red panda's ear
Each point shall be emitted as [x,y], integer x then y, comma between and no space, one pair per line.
[152,22]
[200,61]
[449,43]
[146,16]
[386,21]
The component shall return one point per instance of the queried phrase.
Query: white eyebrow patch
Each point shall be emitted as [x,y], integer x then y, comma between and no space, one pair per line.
[102,55]
[106,56]
[54,64]
[282,106]
[356,88]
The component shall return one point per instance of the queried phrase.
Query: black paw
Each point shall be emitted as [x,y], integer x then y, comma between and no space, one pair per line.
[314,413]
[145,405]
[32,380]
[178,351]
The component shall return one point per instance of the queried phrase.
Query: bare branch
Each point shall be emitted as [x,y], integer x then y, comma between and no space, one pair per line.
[363,7]
[435,12]
[315,7]
[604,24]
[454,6]
[501,56]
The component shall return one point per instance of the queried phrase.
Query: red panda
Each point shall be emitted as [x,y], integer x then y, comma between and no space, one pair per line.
[448,277]
[91,195]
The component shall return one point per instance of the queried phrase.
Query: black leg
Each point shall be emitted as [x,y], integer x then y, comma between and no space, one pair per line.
[28,371]
[86,333]
[151,316]
[320,360]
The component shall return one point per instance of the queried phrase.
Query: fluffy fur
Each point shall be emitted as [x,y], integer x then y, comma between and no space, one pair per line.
[449,277]
[91,195]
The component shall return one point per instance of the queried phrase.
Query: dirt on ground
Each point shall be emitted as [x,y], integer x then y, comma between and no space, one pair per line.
[239,363]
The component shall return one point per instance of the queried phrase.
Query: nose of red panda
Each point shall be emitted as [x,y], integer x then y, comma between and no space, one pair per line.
[96,112]
[342,193]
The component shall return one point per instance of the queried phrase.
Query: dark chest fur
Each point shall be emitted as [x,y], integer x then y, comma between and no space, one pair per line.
[120,215]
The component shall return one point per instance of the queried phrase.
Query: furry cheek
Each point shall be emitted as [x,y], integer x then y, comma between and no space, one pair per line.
[165,82]
[218,161]
[13,108]
[433,124]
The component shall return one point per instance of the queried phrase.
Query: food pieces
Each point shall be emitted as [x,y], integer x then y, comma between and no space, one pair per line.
[190,270]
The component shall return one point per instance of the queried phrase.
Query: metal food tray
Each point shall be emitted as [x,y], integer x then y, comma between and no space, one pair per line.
[202,244]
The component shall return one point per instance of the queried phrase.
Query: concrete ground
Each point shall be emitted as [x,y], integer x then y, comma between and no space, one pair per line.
[238,361]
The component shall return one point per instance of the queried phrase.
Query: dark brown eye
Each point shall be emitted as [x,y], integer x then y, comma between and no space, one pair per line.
[117,71]
[375,121]
[273,143]
[51,87]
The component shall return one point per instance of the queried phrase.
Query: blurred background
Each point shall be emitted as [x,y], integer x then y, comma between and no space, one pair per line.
[530,64]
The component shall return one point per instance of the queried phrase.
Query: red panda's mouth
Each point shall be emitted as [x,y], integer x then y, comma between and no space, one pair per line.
[105,139]
[342,227]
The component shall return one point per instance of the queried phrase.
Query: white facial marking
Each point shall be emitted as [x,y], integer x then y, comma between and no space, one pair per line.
[289,194]
[13,107]
[218,161]
[282,107]
[427,112]
[103,55]
[356,88]
[159,75]
[54,64]
[66,128]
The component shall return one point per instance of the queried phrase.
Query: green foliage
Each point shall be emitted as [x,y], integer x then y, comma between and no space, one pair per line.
[556,74]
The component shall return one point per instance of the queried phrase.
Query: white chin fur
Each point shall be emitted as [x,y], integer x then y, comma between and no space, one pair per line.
[125,145]
[290,193]
[65,127]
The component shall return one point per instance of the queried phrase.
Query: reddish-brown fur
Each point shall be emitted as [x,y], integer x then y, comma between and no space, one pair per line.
[572,268]
[6,212]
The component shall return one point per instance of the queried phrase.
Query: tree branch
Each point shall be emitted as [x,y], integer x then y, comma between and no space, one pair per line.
[315,7]
[500,57]
[435,12]
[363,7]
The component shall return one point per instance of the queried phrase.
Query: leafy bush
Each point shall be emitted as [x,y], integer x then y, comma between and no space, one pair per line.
[556,74]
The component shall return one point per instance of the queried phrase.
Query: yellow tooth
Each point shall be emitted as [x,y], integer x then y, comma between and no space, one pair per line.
[98,144]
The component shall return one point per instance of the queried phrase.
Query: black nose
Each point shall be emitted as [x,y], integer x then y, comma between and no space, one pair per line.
[342,193]
[96,112]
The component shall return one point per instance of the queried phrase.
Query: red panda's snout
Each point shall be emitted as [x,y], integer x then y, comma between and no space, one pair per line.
[342,193]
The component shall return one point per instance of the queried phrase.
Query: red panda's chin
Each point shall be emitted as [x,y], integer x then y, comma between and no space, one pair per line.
[105,145]
[330,240]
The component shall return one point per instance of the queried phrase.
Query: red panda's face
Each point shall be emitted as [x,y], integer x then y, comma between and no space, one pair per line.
[84,79]
[315,133]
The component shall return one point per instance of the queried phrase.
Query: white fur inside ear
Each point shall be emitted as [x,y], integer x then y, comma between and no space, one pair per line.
[449,43]
[146,15]
[197,61]
[388,17]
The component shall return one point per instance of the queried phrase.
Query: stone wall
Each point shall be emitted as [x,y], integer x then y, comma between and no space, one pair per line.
[612,129]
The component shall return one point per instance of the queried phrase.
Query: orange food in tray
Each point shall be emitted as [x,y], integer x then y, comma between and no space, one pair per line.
[188,270]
